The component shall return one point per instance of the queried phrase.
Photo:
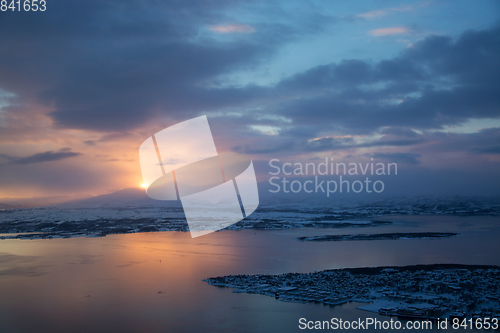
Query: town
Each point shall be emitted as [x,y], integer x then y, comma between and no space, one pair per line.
[418,292]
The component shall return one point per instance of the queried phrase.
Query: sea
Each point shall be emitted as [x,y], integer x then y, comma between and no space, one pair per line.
[153,282]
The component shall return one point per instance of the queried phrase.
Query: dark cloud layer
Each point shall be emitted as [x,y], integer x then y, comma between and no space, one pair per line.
[48,156]
[435,82]
[408,158]
[115,65]
[111,67]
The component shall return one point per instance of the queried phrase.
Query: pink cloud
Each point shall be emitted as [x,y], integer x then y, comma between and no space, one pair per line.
[389,31]
[382,12]
[239,28]
[373,14]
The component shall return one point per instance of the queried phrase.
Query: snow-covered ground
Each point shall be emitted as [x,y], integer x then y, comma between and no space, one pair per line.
[131,210]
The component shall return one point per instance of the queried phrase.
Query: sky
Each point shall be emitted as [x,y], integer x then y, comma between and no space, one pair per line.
[417,83]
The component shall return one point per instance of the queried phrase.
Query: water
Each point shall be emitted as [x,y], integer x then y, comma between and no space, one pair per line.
[152,282]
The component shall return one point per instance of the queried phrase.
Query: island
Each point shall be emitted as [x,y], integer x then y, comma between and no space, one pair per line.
[419,291]
[388,236]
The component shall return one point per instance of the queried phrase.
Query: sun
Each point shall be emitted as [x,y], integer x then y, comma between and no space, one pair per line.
[144,185]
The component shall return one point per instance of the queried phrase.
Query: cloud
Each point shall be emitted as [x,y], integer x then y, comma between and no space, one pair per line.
[389,31]
[118,65]
[488,150]
[67,175]
[437,82]
[373,14]
[400,131]
[408,158]
[391,103]
[48,156]
[240,28]
[382,12]
[484,141]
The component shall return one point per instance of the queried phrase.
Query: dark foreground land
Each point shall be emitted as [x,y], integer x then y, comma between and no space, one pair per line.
[43,229]
[389,236]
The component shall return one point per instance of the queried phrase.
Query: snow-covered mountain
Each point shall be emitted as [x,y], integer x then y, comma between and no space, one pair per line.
[125,198]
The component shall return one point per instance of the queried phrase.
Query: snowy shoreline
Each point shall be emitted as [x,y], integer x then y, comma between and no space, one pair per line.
[419,291]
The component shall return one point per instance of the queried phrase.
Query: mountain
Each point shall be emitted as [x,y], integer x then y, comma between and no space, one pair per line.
[128,197]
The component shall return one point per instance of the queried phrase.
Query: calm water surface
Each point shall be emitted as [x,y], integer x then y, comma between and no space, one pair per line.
[152,282]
